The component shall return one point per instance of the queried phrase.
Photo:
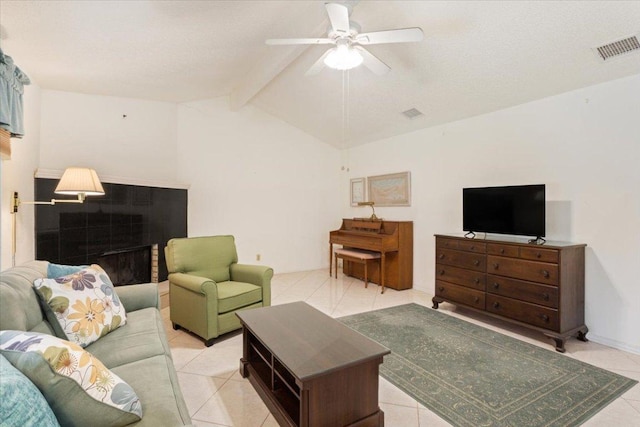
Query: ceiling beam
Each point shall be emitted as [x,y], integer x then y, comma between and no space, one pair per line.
[263,73]
[277,58]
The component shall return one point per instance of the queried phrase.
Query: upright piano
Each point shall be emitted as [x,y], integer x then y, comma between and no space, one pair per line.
[394,241]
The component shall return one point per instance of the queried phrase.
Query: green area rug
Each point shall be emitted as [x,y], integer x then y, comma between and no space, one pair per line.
[472,376]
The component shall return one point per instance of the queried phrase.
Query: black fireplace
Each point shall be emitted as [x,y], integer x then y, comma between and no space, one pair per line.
[127,217]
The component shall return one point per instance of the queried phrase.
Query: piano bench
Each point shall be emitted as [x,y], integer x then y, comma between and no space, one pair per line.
[358,256]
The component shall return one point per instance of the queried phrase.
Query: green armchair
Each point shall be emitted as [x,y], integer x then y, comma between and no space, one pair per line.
[207,285]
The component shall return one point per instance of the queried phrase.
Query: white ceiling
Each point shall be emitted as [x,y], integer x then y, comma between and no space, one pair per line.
[477,57]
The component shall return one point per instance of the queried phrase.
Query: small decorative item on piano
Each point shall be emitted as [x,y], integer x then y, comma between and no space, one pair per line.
[373,216]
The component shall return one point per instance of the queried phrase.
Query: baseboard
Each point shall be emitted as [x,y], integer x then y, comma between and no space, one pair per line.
[613,343]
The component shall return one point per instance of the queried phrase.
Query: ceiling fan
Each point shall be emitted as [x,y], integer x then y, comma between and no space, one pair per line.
[348,51]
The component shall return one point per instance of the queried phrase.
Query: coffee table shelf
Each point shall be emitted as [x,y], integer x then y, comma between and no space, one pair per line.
[310,369]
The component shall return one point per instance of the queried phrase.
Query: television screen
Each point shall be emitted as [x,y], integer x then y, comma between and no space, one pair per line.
[518,209]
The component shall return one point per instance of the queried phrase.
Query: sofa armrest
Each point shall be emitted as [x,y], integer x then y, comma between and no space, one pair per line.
[136,297]
[198,284]
[258,275]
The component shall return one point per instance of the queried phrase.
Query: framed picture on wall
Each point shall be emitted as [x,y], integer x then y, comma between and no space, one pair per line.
[358,191]
[390,190]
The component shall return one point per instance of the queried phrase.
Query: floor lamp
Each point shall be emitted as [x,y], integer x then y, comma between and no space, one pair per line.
[80,182]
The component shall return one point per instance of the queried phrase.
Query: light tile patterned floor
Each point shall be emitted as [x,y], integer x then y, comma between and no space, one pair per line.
[217,395]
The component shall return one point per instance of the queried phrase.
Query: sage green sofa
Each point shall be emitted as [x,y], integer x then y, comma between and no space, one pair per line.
[207,286]
[138,352]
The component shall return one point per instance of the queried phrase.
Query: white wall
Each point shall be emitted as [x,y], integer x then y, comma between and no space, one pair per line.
[584,145]
[69,129]
[272,186]
[90,130]
[17,175]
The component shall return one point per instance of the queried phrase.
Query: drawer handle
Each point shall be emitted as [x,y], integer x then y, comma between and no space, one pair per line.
[476,262]
[441,256]
[496,304]
[496,285]
[502,250]
[472,248]
[545,318]
[441,288]
[477,280]
[441,272]
[538,255]
[545,296]
[477,300]
[495,265]
[545,273]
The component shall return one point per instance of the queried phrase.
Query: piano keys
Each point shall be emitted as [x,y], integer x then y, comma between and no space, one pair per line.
[394,241]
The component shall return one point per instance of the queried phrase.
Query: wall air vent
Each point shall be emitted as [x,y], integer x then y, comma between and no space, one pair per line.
[618,48]
[412,113]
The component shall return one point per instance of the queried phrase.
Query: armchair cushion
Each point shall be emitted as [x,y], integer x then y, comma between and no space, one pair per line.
[203,256]
[235,295]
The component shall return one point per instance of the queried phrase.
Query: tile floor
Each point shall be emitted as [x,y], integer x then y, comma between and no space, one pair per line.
[217,395]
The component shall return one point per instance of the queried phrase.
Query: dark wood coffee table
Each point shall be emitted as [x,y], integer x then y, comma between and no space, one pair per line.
[310,369]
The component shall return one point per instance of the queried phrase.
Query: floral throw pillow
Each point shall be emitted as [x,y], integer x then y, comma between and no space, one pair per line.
[80,390]
[83,304]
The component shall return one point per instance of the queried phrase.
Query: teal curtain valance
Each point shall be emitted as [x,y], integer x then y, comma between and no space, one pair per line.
[12,81]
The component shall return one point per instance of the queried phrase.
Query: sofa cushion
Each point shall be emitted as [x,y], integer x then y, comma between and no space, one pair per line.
[142,337]
[84,304]
[156,383]
[22,403]
[235,295]
[80,390]
[19,307]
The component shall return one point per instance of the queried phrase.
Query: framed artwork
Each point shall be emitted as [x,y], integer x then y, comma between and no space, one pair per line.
[390,190]
[357,191]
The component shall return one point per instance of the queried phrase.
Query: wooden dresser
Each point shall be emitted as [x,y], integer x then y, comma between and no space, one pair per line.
[537,286]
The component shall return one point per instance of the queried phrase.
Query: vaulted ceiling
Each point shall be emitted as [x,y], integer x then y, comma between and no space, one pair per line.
[476,57]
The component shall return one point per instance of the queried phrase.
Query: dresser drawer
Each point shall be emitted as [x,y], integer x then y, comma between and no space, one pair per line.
[534,271]
[546,255]
[472,246]
[503,250]
[533,314]
[472,261]
[460,276]
[446,243]
[460,294]
[527,291]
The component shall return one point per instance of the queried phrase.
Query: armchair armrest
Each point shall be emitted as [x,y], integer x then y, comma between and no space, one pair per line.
[258,275]
[136,297]
[202,285]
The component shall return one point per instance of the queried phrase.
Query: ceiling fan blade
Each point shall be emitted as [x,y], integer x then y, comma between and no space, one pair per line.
[391,36]
[318,65]
[339,17]
[298,41]
[372,62]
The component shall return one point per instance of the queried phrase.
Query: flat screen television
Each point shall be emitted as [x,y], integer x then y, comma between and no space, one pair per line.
[517,209]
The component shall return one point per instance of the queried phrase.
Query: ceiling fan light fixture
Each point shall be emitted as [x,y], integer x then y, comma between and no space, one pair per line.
[343,57]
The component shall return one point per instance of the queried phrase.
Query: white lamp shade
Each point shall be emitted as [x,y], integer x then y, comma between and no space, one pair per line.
[76,181]
[343,57]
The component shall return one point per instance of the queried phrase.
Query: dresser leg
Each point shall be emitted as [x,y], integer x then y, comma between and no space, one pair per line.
[559,344]
[436,301]
[582,335]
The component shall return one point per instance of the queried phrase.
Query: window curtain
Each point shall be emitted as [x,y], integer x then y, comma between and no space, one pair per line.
[12,81]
